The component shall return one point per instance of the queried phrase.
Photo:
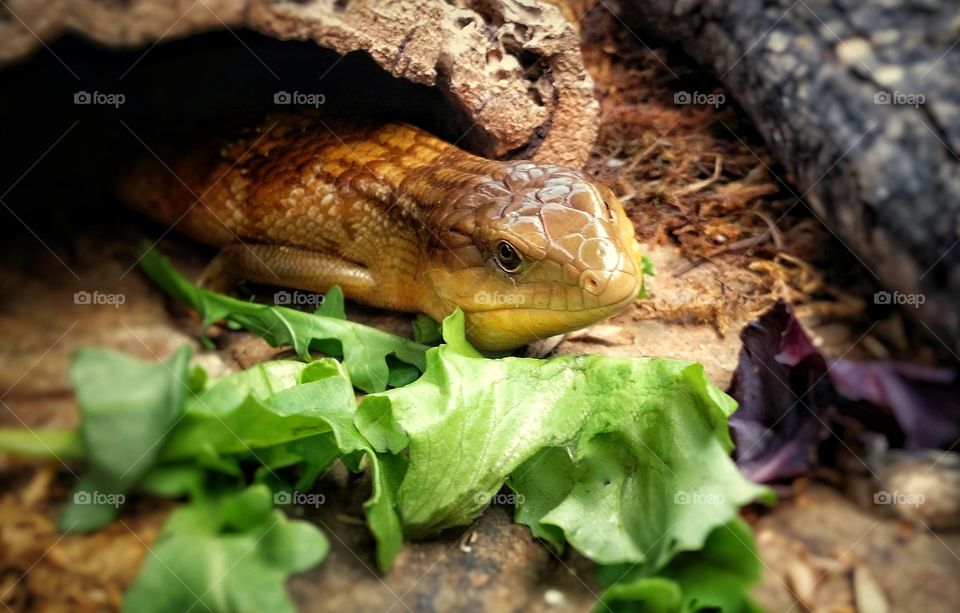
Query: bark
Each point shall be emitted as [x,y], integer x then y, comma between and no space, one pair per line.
[861,103]
[510,70]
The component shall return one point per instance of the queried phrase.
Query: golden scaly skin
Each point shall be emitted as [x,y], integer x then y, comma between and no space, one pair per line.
[402,220]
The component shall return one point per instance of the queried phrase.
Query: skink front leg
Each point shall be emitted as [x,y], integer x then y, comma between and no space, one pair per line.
[287,267]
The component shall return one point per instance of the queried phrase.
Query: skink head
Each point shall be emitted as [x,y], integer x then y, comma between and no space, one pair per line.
[537,251]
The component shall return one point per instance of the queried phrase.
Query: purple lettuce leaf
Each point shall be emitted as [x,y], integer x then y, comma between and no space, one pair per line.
[792,398]
[925,402]
[784,398]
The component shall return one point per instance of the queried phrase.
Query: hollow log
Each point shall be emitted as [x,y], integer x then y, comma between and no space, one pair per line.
[510,70]
[861,103]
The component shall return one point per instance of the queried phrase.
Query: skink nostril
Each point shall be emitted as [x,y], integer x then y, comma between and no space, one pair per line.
[590,282]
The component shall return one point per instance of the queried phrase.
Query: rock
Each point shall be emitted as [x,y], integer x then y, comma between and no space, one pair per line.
[603,334]
[869,596]
[922,487]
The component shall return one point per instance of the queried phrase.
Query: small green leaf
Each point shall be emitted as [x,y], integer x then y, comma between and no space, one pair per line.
[547,478]
[647,267]
[174,481]
[716,578]
[225,553]
[646,270]
[377,425]
[381,509]
[364,349]
[645,595]
[128,408]
[65,444]
[265,406]
[426,330]
[332,305]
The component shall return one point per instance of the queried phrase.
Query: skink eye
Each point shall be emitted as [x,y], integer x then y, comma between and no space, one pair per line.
[611,214]
[507,257]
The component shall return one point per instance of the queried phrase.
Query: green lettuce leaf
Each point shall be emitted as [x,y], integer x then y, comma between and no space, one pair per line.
[62,443]
[646,270]
[128,408]
[230,552]
[267,405]
[364,350]
[381,509]
[283,413]
[716,578]
[626,459]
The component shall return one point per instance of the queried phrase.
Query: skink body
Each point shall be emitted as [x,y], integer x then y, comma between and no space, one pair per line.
[402,220]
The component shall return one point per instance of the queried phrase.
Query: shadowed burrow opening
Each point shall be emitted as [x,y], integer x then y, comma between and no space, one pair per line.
[80,112]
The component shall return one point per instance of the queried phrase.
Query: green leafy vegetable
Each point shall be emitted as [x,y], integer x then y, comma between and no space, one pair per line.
[123,427]
[713,579]
[626,460]
[598,449]
[426,330]
[646,270]
[382,517]
[229,552]
[269,404]
[65,443]
[364,349]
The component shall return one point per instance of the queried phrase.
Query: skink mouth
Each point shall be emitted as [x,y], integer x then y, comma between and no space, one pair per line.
[599,292]
[514,326]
